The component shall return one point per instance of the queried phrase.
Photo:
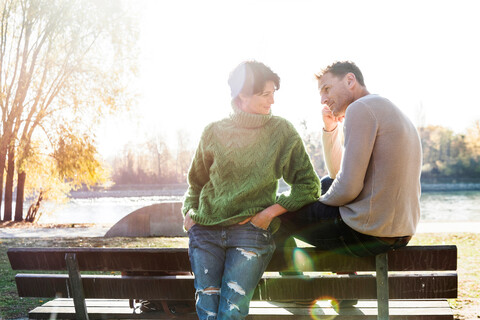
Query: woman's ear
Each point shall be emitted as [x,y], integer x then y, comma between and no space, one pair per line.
[243,99]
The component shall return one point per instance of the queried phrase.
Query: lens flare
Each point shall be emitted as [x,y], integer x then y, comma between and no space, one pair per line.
[335,304]
[301,260]
[316,312]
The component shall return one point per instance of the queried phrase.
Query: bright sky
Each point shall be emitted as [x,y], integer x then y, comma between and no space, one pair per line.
[422,55]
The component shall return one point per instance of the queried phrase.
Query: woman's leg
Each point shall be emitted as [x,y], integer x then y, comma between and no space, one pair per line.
[207,258]
[249,250]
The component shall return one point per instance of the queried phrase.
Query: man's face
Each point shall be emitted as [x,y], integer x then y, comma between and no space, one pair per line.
[335,93]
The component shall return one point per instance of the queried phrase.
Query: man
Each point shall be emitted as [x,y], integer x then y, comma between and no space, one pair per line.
[370,202]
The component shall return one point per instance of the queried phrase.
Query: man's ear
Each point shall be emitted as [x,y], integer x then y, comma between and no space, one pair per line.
[351,80]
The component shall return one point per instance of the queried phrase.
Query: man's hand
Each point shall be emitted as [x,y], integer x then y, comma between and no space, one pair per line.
[188,221]
[329,120]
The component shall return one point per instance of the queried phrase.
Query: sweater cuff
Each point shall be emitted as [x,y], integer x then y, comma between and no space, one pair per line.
[187,207]
[294,204]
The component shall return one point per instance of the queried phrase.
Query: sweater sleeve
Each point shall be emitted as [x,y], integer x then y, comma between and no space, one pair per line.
[333,150]
[360,135]
[198,174]
[299,174]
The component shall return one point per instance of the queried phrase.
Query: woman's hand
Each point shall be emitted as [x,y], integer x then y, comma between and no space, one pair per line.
[265,217]
[188,221]
[261,220]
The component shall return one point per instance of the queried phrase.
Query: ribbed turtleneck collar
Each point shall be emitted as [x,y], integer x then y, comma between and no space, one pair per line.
[248,120]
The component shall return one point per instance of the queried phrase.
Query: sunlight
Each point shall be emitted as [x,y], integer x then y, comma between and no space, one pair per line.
[187,49]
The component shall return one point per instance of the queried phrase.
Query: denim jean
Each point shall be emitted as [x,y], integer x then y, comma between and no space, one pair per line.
[322,226]
[228,263]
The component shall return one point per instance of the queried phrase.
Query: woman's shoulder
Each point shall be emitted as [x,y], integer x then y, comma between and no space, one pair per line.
[218,127]
[282,123]
[218,123]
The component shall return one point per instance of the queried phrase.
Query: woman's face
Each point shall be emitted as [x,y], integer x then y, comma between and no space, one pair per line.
[259,103]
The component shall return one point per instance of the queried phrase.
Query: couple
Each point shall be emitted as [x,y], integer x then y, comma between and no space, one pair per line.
[368,204]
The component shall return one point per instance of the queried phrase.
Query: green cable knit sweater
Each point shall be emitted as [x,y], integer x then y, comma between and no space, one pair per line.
[235,171]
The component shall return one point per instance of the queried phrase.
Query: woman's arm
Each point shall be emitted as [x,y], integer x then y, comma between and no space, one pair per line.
[299,174]
[265,217]
[198,176]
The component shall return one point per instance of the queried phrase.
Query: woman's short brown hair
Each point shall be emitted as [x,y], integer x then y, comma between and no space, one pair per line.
[250,77]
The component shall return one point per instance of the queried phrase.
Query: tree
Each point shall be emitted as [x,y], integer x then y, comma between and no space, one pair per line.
[448,156]
[184,155]
[162,158]
[61,61]
[473,140]
[313,146]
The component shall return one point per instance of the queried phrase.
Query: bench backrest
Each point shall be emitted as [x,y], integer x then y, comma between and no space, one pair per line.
[423,284]
[410,258]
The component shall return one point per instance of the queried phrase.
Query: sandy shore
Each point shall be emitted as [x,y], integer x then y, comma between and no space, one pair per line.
[68,231]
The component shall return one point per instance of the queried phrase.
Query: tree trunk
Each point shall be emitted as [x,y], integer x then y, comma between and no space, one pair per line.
[3,159]
[22,176]
[7,213]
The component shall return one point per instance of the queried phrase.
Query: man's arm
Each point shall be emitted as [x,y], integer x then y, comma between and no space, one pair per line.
[332,142]
[360,135]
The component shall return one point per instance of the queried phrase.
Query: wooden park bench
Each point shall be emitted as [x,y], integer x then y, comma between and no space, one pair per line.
[416,285]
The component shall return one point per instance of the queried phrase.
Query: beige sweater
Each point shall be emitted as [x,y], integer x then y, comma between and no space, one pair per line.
[377,171]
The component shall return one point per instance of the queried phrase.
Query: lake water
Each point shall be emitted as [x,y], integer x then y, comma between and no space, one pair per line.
[108,207]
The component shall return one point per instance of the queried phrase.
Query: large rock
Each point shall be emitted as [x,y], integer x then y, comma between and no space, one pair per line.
[159,220]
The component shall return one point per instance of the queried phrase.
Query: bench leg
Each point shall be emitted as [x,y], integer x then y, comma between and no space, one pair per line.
[77,287]
[381,263]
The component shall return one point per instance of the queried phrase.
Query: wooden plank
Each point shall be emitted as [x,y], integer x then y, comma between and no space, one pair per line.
[382,285]
[410,286]
[75,282]
[425,258]
[101,313]
[394,303]
[346,287]
[101,259]
[410,258]
[404,309]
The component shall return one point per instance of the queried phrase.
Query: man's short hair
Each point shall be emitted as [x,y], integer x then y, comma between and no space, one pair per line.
[340,69]
[250,77]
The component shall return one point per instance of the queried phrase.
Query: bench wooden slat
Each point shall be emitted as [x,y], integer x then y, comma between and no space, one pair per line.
[101,259]
[411,286]
[410,258]
[399,309]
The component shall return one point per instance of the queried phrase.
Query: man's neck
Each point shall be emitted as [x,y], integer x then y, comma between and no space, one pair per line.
[361,92]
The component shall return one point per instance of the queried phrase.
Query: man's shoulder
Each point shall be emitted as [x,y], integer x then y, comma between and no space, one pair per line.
[372,99]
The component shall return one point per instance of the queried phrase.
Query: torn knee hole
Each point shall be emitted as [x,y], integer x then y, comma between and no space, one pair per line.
[210,290]
[236,287]
[248,254]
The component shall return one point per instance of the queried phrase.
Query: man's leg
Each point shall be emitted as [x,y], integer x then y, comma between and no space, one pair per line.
[322,226]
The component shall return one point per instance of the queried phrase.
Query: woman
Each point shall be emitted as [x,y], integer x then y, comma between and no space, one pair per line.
[231,203]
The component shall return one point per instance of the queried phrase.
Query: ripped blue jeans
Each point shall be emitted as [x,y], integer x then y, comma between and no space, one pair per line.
[227,263]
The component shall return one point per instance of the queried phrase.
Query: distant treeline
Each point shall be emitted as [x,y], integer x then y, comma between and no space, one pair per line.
[450,157]
[447,157]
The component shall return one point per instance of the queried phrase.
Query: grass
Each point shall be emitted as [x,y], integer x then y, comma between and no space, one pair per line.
[467,306]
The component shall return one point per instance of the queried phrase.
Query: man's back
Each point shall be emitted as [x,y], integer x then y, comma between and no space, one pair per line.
[378,186]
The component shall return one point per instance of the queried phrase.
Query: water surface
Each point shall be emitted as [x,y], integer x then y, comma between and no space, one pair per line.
[109,207]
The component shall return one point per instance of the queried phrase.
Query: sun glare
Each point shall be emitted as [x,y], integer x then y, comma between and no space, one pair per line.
[186,57]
